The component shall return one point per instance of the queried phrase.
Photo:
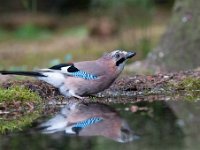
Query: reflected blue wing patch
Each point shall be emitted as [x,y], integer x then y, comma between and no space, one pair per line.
[88,122]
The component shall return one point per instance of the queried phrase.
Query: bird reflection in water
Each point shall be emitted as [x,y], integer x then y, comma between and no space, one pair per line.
[92,119]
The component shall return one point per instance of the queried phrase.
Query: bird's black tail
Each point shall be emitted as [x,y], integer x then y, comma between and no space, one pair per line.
[23,73]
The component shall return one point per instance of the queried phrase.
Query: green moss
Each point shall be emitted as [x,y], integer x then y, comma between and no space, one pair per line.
[18,123]
[189,88]
[23,106]
[189,84]
[192,88]
[18,93]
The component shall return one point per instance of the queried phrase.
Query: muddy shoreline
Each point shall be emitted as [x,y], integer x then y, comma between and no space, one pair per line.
[130,87]
[18,110]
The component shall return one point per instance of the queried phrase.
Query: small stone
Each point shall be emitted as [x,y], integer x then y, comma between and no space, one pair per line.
[137,81]
[181,123]
[166,77]
[134,108]
[126,109]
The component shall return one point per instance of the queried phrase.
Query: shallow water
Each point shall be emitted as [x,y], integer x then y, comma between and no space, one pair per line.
[160,125]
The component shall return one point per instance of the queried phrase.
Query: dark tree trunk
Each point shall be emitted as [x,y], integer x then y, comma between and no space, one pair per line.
[179,48]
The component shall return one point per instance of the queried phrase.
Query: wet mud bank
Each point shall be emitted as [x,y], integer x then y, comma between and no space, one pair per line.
[23,101]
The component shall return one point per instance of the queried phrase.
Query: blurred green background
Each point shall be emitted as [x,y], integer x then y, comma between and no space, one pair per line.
[41,33]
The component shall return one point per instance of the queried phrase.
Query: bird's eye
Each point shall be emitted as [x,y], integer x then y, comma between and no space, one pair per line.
[117,55]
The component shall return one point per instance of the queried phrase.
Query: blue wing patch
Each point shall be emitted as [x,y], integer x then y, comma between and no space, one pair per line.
[84,75]
[73,71]
[83,124]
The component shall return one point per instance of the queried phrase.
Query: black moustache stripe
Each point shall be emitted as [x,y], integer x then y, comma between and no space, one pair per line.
[120,61]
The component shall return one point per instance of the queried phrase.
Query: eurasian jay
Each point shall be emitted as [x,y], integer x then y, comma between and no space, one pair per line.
[82,78]
[92,119]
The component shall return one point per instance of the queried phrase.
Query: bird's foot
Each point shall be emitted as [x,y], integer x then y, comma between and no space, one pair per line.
[72,93]
[77,96]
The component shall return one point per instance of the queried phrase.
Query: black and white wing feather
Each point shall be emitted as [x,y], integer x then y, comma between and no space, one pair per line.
[71,70]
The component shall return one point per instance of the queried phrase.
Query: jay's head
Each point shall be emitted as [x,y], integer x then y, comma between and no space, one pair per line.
[126,134]
[118,58]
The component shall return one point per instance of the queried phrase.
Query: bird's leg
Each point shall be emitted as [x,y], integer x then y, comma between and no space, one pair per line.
[74,95]
[79,97]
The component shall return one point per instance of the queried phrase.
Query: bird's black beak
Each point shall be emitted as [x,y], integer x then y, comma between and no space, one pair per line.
[130,54]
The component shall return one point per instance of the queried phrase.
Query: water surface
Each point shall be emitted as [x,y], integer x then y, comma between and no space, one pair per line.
[161,125]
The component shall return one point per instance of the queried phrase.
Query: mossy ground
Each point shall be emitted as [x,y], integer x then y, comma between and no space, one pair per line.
[189,84]
[23,99]
[18,123]
[19,106]
[189,87]
[18,93]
